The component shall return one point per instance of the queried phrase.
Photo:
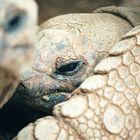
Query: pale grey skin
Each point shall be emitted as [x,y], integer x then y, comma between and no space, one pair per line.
[18,25]
[68,48]
[105,107]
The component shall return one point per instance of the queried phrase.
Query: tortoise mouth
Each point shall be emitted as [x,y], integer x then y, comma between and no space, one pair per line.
[43,92]
[44,100]
[52,93]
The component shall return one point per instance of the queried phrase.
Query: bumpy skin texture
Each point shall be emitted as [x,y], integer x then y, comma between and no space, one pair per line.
[105,106]
[18,23]
[68,48]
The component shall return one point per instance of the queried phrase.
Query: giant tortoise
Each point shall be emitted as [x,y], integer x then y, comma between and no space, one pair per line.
[106,106]
[68,47]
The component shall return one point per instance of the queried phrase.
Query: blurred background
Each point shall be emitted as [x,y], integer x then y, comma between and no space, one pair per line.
[51,8]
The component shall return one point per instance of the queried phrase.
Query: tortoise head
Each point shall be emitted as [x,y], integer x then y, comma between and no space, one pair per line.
[67,49]
[18,20]
[18,23]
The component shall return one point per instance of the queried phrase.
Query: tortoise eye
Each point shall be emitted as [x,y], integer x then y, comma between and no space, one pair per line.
[69,69]
[15,22]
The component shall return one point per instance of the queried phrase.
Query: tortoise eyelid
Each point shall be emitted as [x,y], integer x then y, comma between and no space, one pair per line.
[69,69]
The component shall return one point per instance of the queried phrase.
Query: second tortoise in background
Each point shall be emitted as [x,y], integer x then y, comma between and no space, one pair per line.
[68,47]
[18,23]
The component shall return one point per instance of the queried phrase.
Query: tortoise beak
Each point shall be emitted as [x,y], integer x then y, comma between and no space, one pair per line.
[43,92]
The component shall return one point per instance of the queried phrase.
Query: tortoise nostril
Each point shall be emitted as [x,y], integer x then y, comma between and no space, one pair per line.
[21,47]
[69,69]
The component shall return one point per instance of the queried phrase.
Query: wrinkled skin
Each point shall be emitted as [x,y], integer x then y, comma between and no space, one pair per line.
[18,23]
[105,107]
[68,48]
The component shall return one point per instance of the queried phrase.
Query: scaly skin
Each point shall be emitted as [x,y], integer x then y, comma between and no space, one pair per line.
[106,105]
[18,24]
[68,48]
